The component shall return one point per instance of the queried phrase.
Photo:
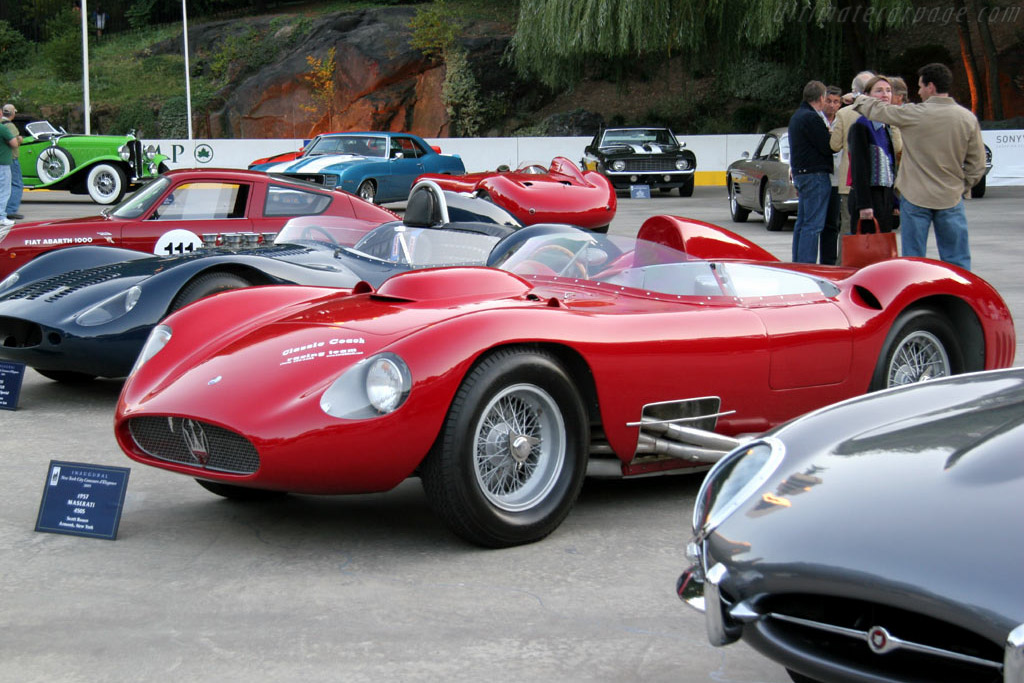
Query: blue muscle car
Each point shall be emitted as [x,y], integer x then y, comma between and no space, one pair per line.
[379,167]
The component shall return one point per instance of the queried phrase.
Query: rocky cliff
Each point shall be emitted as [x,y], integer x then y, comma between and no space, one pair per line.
[380,82]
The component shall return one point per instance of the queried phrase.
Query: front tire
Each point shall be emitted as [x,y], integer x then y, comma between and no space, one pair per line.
[106,183]
[978,191]
[53,164]
[206,285]
[367,191]
[686,189]
[921,345]
[512,453]
[739,214]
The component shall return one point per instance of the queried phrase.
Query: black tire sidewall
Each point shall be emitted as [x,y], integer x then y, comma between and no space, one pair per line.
[205,285]
[914,320]
[449,475]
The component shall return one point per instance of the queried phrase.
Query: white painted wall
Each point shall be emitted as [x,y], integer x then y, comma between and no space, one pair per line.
[714,152]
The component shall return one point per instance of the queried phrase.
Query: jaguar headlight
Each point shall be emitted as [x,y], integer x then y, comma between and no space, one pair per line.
[9,282]
[124,153]
[733,480]
[682,164]
[111,309]
[618,165]
[372,387]
[150,152]
[157,340]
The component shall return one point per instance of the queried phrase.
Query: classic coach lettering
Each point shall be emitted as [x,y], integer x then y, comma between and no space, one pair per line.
[58,240]
[317,345]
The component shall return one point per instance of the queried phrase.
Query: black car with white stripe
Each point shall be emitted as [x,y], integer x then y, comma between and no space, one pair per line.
[650,156]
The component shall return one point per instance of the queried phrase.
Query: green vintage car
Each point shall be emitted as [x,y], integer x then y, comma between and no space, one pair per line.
[102,166]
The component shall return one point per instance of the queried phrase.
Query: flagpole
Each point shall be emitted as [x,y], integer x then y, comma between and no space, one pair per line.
[188,83]
[85,65]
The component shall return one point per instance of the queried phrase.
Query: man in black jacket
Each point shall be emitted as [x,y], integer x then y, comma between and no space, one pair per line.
[810,161]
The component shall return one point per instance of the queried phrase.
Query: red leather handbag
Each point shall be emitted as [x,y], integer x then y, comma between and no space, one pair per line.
[864,248]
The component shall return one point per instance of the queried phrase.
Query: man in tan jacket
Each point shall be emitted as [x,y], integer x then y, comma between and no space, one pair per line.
[943,158]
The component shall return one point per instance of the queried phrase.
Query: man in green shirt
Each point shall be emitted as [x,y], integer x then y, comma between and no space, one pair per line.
[9,142]
[17,183]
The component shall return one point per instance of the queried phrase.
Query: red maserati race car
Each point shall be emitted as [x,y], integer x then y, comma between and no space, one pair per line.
[572,354]
[170,215]
[534,194]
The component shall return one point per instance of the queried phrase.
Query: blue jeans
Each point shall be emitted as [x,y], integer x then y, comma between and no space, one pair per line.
[950,232]
[5,189]
[814,191]
[17,187]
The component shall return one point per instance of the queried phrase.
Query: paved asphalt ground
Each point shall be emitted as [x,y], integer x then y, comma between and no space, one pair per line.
[369,587]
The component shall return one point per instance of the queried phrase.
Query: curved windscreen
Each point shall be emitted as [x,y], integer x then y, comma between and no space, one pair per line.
[638,264]
[425,247]
[363,145]
[139,202]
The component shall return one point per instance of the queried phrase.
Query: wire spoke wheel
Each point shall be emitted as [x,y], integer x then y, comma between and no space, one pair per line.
[919,357]
[519,447]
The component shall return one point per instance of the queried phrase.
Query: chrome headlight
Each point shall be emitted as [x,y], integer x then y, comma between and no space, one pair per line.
[372,387]
[733,480]
[682,164]
[150,152]
[110,309]
[618,165]
[9,282]
[157,340]
[124,153]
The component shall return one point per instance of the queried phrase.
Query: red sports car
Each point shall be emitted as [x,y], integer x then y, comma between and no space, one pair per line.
[171,213]
[534,194]
[573,354]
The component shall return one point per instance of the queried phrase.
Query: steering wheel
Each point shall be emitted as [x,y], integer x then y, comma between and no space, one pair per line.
[308,233]
[561,252]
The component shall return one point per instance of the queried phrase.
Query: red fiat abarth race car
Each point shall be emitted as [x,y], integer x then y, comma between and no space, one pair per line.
[170,215]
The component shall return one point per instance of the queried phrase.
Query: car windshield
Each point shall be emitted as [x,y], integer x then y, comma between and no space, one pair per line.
[362,145]
[139,202]
[639,264]
[638,136]
[425,247]
[40,129]
[394,242]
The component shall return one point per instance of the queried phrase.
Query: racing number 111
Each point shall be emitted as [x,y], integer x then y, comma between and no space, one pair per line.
[179,248]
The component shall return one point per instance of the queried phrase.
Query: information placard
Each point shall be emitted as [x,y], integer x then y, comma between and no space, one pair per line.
[11,375]
[82,500]
[639,191]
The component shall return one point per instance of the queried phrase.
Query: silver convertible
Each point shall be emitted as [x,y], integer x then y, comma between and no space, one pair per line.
[762,182]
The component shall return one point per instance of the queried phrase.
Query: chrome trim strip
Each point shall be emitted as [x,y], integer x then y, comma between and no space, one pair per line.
[1013,656]
[715,617]
[892,643]
[678,419]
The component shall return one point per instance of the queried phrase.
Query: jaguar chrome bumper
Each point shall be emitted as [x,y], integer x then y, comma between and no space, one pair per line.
[701,590]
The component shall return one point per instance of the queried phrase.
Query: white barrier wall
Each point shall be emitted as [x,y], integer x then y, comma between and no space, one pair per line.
[714,152]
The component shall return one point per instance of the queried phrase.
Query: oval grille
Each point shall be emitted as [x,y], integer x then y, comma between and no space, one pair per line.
[194,443]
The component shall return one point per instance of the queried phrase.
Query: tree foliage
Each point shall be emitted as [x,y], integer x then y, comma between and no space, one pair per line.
[556,40]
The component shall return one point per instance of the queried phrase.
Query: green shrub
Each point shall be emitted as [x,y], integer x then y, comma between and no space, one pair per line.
[173,119]
[138,116]
[15,49]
